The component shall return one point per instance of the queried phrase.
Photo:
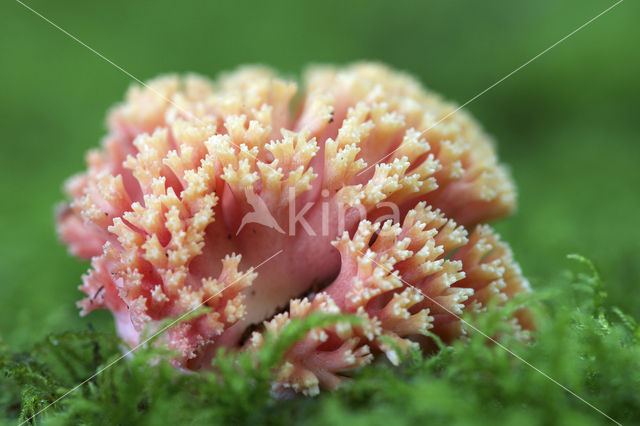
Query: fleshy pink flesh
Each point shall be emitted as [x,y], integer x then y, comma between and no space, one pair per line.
[363,197]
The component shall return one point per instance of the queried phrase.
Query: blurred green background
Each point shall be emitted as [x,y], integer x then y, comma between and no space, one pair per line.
[567,123]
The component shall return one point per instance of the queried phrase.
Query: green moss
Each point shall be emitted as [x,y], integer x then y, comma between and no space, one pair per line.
[583,343]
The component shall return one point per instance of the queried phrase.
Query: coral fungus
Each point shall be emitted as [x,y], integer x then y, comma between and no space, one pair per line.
[361,194]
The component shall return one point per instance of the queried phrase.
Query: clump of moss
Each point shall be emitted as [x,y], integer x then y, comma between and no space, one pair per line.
[582,342]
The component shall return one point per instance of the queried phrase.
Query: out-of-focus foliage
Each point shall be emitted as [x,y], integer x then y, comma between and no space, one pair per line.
[582,343]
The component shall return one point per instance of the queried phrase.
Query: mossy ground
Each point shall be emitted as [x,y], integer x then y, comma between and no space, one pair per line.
[583,343]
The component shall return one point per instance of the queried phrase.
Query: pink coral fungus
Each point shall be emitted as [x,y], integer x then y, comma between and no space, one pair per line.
[360,194]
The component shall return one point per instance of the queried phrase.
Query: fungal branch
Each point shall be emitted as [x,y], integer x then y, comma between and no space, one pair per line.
[192,189]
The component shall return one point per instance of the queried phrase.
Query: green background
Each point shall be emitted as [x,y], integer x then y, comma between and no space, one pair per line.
[567,123]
